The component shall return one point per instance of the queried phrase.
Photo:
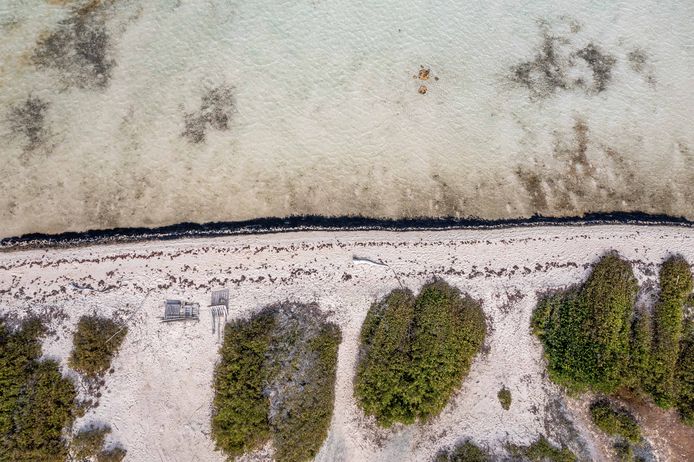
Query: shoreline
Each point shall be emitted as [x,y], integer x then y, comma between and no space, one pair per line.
[310,223]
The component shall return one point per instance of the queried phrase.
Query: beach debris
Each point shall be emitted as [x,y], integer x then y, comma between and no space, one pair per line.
[422,90]
[177,310]
[367,261]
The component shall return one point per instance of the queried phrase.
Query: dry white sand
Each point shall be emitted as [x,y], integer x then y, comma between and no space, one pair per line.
[158,400]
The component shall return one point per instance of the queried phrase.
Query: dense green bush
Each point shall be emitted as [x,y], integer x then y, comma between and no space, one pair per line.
[668,315]
[504,396]
[640,352]
[276,380]
[415,352]
[240,421]
[615,421]
[95,343]
[466,451]
[586,331]
[37,403]
[589,344]
[541,451]
[302,424]
[684,377]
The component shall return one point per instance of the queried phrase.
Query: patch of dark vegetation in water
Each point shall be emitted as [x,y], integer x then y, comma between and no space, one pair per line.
[587,174]
[600,62]
[556,66]
[640,62]
[79,48]
[215,112]
[28,122]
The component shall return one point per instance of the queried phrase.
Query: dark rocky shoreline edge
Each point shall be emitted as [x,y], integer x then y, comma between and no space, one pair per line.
[323,223]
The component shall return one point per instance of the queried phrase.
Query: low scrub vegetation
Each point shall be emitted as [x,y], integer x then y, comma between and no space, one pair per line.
[595,339]
[89,444]
[504,397]
[615,420]
[541,450]
[37,404]
[95,343]
[275,381]
[466,451]
[415,352]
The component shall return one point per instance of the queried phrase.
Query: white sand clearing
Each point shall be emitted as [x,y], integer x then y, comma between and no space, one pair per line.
[158,400]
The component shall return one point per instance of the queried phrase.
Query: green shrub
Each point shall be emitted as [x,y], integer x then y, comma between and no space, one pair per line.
[302,425]
[276,380]
[504,396]
[684,377]
[466,451]
[624,452]
[37,402]
[239,419]
[415,352]
[586,331]
[640,352]
[615,421]
[115,454]
[541,451]
[88,442]
[95,343]
[19,349]
[675,287]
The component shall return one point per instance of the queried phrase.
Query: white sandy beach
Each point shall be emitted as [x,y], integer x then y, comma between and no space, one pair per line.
[158,400]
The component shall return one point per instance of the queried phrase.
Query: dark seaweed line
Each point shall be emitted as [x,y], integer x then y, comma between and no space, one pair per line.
[322,223]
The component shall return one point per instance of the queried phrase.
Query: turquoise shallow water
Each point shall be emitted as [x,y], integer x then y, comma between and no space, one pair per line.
[131,113]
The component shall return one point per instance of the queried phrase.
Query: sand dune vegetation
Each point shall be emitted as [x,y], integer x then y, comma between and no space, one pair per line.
[275,382]
[37,404]
[595,339]
[415,352]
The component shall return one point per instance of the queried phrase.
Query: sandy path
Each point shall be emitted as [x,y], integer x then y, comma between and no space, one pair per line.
[158,398]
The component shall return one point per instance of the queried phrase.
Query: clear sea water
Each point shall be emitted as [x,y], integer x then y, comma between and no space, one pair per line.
[147,113]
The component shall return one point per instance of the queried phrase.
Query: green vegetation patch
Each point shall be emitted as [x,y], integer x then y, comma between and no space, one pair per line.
[504,396]
[594,339]
[37,404]
[95,343]
[89,444]
[684,377]
[415,352]
[541,451]
[466,451]
[668,318]
[586,331]
[276,380]
[614,420]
